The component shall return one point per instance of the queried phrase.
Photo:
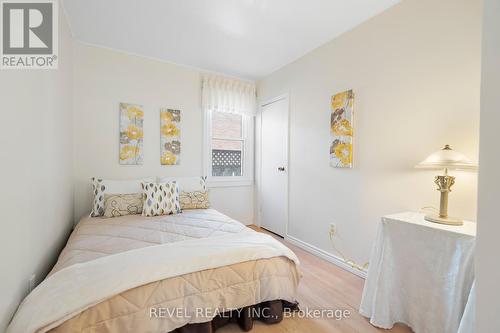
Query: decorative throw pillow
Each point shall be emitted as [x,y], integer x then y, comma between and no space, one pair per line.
[194,200]
[193,191]
[160,199]
[103,186]
[122,204]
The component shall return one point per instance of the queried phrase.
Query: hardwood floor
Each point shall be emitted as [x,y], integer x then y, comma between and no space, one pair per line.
[323,286]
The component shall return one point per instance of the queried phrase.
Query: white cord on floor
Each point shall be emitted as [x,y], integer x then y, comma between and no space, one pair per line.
[350,262]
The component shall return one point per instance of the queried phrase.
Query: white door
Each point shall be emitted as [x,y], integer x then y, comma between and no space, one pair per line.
[274,166]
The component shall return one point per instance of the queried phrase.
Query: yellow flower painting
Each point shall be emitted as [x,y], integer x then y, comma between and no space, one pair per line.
[168,158]
[165,116]
[128,152]
[133,112]
[170,136]
[131,134]
[342,151]
[170,129]
[134,133]
[341,129]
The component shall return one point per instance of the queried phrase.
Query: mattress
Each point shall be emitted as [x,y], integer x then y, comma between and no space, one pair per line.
[165,305]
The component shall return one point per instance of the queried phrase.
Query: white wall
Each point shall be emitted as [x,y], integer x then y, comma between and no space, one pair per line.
[488,246]
[415,70]
[103,79]
[36,172]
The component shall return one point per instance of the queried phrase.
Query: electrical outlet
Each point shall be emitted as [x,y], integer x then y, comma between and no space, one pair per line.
[32,282]
[333,229]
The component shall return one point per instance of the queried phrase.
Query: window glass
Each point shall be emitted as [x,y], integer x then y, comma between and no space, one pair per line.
[227,158]
[226,125]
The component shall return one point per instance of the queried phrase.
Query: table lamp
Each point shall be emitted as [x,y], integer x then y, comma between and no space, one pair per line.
[445,158]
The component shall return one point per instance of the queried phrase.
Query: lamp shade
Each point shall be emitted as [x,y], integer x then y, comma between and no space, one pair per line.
[447,158]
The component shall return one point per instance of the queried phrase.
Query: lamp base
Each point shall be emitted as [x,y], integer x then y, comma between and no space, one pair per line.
[443,220]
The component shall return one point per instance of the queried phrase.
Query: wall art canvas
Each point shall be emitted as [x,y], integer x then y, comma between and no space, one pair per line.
[341,129]
[170,136]
[131,134]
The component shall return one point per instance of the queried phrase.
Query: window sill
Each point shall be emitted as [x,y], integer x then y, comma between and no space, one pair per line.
[215,182]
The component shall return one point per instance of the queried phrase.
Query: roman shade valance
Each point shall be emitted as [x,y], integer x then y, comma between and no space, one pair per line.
[228,95]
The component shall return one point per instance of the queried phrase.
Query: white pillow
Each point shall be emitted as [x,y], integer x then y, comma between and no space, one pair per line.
[187,184]
[105,186]
[160,199]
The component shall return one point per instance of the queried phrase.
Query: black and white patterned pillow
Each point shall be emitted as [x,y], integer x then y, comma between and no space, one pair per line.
[98,189]
[106,186]
[160,199]
[193,191]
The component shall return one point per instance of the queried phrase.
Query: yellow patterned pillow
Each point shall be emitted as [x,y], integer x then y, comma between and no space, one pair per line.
[122,204]
[194,200]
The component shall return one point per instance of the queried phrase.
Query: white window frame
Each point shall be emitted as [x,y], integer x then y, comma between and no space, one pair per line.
[247,139]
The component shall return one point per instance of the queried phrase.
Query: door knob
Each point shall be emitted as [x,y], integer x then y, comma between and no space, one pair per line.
[282,168]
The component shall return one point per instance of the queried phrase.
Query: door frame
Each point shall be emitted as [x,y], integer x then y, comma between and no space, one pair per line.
[285,96]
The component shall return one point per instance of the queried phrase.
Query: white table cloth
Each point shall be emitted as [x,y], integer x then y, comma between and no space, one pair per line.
[469,318]
[420,274]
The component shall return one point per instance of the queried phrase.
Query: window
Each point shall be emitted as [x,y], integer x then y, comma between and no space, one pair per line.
[229,112]
[229,158]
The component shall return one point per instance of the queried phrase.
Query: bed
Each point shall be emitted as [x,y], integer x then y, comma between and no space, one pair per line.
[188,272]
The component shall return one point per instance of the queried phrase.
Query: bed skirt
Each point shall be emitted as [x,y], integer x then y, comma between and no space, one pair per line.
[270,312]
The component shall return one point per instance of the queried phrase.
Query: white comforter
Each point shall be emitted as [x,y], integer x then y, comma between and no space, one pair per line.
[80,286]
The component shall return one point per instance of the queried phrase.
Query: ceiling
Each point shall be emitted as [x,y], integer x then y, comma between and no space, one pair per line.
[243,38]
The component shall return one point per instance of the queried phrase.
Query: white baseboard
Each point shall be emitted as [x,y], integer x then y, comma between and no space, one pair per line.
[325,255]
